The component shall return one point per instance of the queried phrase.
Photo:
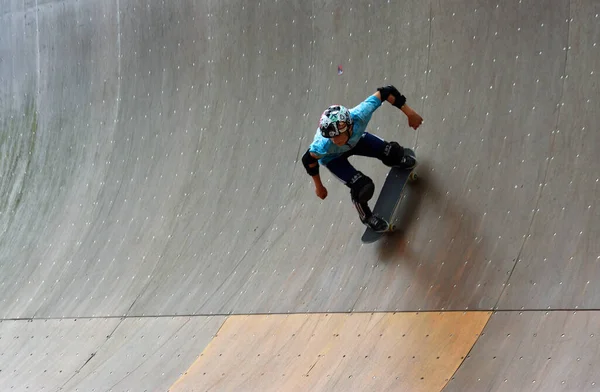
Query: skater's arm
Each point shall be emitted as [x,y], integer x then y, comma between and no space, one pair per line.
[363,112]
[393,96]
[310,161]
[317,180]
[391,99]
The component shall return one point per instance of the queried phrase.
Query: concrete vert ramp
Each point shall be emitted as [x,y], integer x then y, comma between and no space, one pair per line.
[152,195]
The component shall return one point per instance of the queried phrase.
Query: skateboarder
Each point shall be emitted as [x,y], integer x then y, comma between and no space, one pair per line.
[342,134]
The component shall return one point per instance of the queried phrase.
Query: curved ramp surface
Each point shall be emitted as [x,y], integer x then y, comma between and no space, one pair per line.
[533,351]
[150,177]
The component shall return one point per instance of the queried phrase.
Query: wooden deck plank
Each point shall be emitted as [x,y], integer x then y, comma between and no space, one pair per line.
[335,352]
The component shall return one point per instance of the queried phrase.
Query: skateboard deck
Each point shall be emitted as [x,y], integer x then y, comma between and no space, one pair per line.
[388,200]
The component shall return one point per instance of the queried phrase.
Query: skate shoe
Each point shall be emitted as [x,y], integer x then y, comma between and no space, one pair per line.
[408,161]
[377,224]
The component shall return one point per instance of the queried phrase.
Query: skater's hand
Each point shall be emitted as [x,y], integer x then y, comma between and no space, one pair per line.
[414,120]
[321,192]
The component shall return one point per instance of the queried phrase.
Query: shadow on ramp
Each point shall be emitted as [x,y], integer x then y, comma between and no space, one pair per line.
[395,245]
[441,242]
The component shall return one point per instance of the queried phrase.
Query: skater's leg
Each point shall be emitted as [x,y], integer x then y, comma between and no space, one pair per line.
[390,153]
[370,145]
[361,186]
[362,189]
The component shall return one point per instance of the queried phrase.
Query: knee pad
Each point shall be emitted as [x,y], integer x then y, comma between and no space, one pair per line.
[362,188]
[392,154]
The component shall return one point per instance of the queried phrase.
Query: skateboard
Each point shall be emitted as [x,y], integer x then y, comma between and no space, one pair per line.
[389,199]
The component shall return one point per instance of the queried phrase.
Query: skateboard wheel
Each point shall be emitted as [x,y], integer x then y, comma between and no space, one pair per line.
[413,176]
[392,227]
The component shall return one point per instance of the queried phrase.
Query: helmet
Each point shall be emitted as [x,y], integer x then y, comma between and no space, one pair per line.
[332,119]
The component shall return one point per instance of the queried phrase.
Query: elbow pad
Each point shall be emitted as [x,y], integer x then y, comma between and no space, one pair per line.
[308,159]
[393,91]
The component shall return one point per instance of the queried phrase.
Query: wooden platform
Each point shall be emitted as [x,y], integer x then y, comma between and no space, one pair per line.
[337,352]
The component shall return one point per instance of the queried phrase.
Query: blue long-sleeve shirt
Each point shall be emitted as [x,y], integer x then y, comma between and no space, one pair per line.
[361,114]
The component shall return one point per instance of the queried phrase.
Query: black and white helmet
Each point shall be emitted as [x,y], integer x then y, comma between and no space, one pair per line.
[334,121]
